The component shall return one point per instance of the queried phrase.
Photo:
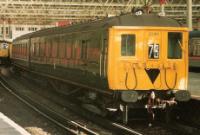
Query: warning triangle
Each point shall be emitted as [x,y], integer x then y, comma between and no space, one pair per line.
[153,74]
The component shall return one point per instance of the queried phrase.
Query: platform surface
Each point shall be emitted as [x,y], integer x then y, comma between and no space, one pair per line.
[8,127]
[194,85]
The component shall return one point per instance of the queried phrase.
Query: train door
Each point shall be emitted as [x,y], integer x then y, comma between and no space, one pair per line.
[176,67]
[165,63]
[29,52]
[76,52]
[125,54]
[103,55]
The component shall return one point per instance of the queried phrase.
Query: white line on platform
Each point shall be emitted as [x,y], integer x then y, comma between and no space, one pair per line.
[13,124]
[196,97]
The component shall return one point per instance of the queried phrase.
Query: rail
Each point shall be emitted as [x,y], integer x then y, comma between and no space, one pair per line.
[61,121]
[67,124]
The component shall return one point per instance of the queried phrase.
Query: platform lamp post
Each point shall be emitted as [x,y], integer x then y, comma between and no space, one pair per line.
[189,14]
[10,28]
[4,28]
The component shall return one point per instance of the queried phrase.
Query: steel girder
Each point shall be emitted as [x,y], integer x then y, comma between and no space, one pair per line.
[48,11]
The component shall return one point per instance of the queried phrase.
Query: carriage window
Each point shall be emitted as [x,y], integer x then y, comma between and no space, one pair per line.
[42,47]
[26,49]
[54,49]
[37,49]
[84,46]
[34,49]
[174,45]
[62,49]
[48,48]
[72,49]
[68,48]
[127,45]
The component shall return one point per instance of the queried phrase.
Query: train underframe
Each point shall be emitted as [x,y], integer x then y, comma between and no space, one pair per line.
[123,101]
[103,101]
[4,60]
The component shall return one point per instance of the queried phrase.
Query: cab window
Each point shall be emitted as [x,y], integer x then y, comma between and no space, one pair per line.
[127,45]
[174,45]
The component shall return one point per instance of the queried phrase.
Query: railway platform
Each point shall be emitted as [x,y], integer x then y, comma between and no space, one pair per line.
[194,85]
[8,127]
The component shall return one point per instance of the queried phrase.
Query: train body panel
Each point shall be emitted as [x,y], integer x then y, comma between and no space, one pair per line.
[42,55]
[151,63]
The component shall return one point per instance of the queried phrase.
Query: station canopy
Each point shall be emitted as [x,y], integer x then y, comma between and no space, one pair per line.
[48,11]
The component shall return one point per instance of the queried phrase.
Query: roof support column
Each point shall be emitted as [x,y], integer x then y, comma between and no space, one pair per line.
[4,29]
[189,14]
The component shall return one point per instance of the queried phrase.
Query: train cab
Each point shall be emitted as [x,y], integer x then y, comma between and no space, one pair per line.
[4,50]
[148,58]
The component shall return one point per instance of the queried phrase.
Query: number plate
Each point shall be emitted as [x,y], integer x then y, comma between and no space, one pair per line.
[153,51]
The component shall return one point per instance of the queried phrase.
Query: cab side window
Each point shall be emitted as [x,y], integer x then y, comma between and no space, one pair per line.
[174,45]
[128,45]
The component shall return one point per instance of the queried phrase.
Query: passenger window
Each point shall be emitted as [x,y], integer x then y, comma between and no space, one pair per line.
[48,48]
[54,48]
[26,45]
[84,49]
[42,47]
[62,49]
[127,45]
[72,49]
[37,49]
[69,49]
[174,45]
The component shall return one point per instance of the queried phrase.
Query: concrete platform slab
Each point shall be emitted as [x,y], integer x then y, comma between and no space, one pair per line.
[9,127]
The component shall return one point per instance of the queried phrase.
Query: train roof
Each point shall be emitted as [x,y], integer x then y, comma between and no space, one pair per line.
[124,20]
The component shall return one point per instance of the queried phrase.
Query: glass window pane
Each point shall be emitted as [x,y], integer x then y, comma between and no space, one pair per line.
[174,45]
[127,45]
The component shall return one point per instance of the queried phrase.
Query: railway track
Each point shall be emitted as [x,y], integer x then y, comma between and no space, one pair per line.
[118,128]
[68,124]
[190,114]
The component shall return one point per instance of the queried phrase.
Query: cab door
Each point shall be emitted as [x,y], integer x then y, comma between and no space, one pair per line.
[176,67]
[123,56]
[166,59]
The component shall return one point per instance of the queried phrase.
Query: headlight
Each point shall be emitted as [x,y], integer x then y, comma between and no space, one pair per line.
[4,46]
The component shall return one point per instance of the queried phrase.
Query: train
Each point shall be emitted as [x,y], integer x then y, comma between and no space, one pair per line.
[128,61]
[4,51]
[194,47]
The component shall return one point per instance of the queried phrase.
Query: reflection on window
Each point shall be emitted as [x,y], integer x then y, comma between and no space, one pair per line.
[174,45]
[127,45]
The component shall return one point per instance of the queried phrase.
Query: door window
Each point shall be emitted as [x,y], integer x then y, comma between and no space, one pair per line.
[174,45]
[128,45]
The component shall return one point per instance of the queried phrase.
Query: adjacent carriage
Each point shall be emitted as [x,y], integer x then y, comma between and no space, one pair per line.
[4,51]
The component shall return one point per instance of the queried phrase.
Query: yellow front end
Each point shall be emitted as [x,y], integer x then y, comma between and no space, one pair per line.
[148,58]
[4,50]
